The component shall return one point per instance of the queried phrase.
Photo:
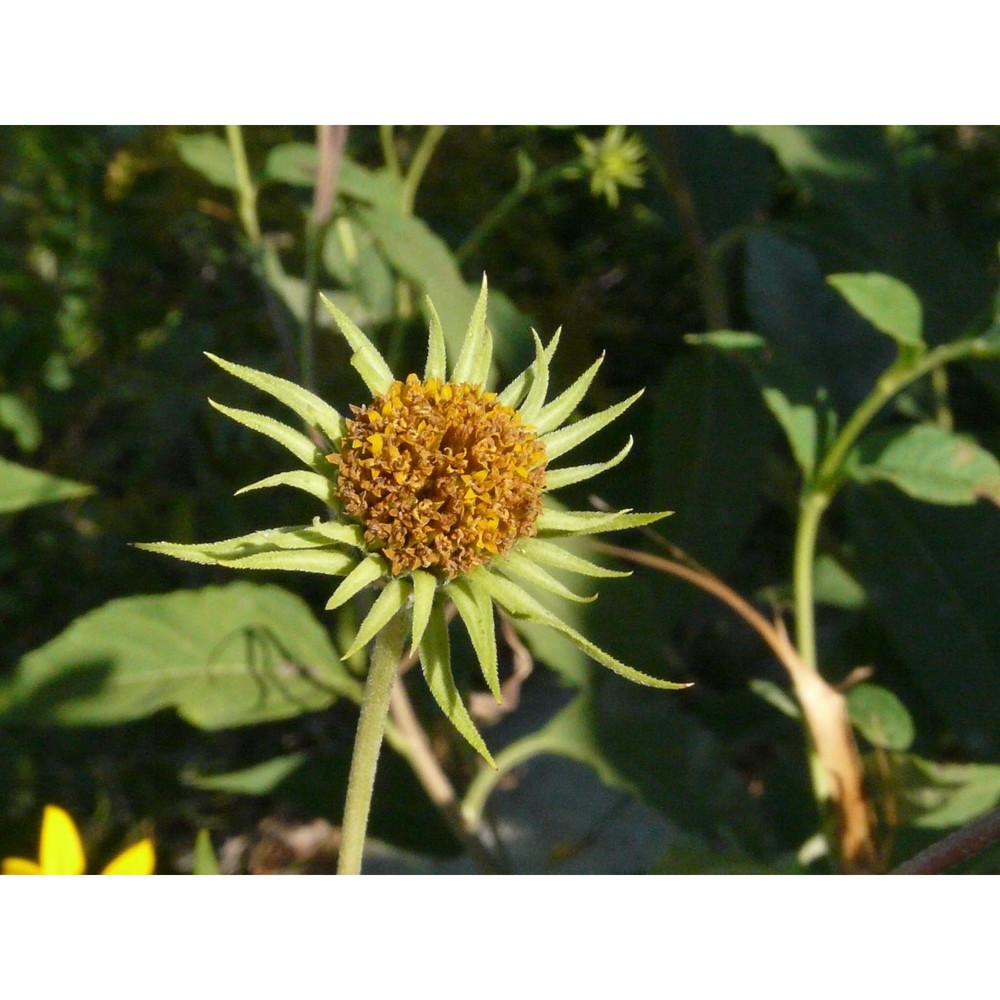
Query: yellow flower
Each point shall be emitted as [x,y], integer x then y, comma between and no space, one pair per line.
[60,852]
[438,491]
[616,159]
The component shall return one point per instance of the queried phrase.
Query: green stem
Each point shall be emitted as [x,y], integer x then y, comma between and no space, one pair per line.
[418,165]
[247,193]
[368,742]
[830,475]
[389,154]
[492,220]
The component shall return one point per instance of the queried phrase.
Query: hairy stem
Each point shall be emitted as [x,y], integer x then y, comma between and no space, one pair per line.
[368,742]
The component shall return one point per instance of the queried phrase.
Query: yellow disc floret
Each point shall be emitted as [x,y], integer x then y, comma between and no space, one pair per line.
[442,476]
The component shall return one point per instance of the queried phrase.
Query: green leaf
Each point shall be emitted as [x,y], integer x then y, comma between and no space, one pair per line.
[550,554]
[295,163]
[260,779]
[210,156]
[888,304]
[556,479]
[424,588]
[800,422]
[309,482]
[394,595]
[221,656]
[17,417]
[833,585]
[435,660]
[880,717]
[205,861]
[21,487]
[437,356]
[727,340]
[366,572]
[527,570]
[929,463]
[535,398]
[936,796]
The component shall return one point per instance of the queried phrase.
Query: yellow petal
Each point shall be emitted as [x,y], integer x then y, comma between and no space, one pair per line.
[60,852]
[20,866]
[139,859]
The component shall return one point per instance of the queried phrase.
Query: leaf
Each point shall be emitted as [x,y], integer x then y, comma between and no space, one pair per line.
[937,796]
[727,340]
[929,463]
[888,304]
[210,156]
[260,779]
[880,717]
[930,572]
[205,861]
[295,163]
[800,422]
[21,487]
[221,656]
[17,417]
[566,438]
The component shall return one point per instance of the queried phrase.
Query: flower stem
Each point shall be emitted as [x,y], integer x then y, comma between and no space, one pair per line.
[368,742]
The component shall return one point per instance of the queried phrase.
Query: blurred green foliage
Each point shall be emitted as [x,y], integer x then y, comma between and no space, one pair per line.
[125,254]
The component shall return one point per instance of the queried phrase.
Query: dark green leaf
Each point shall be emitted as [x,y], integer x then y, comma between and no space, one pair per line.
[261,779]
[937,796]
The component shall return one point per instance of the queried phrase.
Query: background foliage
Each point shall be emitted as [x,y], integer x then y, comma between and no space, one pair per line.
[142,693]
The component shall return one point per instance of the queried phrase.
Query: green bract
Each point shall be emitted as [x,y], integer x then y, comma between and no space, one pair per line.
[341,545]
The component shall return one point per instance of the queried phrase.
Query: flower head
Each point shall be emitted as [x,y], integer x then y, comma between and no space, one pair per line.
[438,492]
[615,159]
[60,852]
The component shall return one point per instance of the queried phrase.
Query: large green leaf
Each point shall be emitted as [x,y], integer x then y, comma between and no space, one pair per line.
[222,656]
[931,571]
[21,487]
[929,463]
[210,156]
[295,163]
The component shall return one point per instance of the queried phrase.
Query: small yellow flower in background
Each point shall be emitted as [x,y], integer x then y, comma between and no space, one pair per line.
[60,852]
[616,159]
[437,492]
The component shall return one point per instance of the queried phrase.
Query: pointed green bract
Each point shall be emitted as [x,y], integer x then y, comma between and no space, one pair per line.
[366,359]
[589,522]
[366,572]
[476,611]
[521,566]
[313,410]
[230,549]
[555,555]
[553,414]
[329,562]
[529,409]
[437,356]
[424,588]
[340,531]
[394,595]
[521,604]
[297,443]
[435,661]
[556,479]
[474,353]
[309,482]
[563,440]
[515,392]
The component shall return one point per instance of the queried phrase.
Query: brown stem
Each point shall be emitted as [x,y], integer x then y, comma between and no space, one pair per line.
[823,708]
[435,782]
[967,842]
